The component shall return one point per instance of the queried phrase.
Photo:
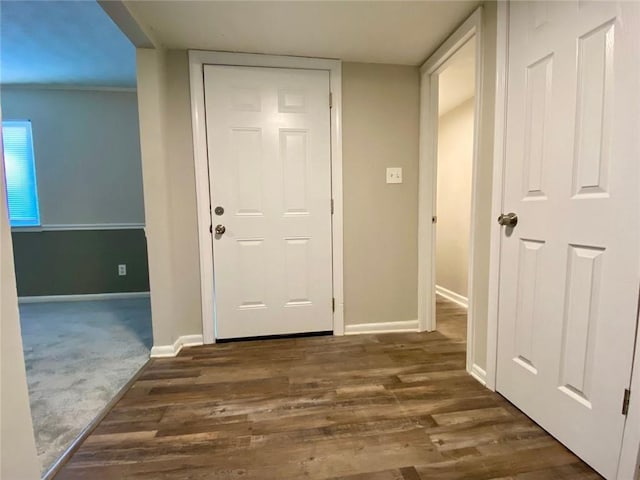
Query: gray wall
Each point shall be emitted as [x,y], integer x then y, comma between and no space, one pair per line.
[380,127]
[80,261]
[184,227]
[87,155]
[169,186]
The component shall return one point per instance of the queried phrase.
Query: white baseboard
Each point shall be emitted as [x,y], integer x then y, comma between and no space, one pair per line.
[163,351]
[453,296]
[479,374]
[82,297]
[386,327]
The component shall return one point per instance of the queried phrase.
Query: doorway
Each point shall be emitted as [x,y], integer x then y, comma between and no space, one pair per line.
[450,188]
[299,119]
[456,107]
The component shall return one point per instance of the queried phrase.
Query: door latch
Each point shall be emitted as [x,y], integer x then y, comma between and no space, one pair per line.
[625,401]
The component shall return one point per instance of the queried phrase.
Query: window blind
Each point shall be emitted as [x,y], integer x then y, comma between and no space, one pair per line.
[20,172]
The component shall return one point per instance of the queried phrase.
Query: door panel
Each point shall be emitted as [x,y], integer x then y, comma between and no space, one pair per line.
[528,302]
[570,268]
[270,169]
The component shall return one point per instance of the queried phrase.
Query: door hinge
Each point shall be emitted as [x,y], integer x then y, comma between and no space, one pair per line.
[332,206]
[330,99]
[333,304]
[625,401]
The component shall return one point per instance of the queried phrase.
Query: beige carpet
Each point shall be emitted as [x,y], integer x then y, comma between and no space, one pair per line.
[78,356]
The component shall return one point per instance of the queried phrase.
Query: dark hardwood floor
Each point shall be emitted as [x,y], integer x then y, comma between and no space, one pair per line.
[451,320]
[370,407]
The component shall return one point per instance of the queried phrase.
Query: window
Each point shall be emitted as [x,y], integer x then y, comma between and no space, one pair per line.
[20,172]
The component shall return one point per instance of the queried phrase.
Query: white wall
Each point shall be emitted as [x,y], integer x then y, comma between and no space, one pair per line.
[455,168]
[18,459]
[87,153]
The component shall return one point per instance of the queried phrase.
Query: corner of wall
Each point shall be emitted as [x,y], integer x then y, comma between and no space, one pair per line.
[169,193]
[18,456]
[483,196]
[167,351]
[151,111]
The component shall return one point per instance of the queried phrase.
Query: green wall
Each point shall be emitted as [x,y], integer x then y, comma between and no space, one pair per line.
[72,262]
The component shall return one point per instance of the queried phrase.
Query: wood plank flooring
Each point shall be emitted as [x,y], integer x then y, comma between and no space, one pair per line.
[370,407]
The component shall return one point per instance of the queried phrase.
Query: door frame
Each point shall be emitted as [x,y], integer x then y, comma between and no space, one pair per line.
[429,71]
[629,460]
[197,60]
[499,139]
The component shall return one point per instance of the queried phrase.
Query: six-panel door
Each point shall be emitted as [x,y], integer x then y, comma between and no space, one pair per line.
[268,136]
[570,268]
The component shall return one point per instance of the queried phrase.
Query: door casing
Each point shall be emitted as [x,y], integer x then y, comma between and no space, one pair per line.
[472,27]
[629,463]
[197,60]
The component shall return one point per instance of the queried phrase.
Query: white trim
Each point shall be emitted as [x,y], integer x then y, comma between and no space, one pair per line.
[478,373]
[85,297]
[629,461]
[426,195]
[197,59]
[502,42]
[386,327]
[163,351]
[472,27]
[128,24]
[80,226]
[452,296]
[629,464]
[54,86]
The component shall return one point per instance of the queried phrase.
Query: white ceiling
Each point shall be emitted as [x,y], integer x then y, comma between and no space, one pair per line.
[74,42]
[64,43]
[456,83]
[397,32]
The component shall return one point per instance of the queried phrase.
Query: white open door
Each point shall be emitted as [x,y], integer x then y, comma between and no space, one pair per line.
[269,148]
[569,268]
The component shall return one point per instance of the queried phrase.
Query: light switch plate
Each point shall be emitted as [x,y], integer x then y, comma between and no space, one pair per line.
[394,175]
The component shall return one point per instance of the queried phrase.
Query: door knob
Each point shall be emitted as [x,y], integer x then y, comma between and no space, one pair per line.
[220,229]
[508,220]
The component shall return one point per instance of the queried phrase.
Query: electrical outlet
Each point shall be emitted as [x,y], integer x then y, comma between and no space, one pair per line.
[122,269]
[394,175]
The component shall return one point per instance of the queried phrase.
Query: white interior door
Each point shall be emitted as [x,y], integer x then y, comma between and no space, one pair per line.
[268,135]
[570,267]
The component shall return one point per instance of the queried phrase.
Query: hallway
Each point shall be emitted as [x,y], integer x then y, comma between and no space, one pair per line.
[366,407]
